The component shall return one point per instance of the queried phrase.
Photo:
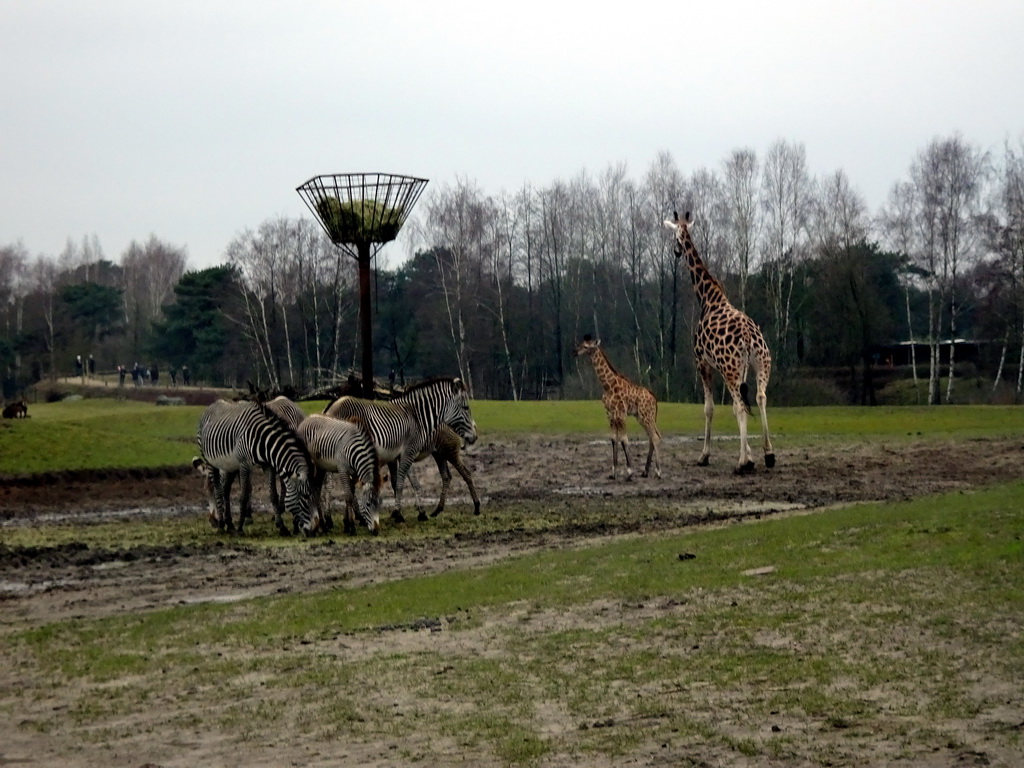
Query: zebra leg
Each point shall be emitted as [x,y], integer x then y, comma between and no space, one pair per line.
[446,481]
[326,520]
[396,486]
[350,506]
[277,501]
[245,498]
[316,483]
[224,489]
[404,465]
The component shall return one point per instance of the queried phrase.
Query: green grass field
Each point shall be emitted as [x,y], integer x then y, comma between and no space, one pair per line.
[872,634]
[102,433]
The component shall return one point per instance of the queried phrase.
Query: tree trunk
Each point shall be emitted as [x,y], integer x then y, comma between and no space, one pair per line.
[952,352]
[913,345]
[1020,365]
[1002,360]
[934,368]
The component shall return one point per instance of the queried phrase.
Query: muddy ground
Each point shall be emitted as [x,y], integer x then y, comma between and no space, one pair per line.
[52,583]
[39,585]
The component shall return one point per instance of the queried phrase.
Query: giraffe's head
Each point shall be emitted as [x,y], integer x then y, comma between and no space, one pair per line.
[588,346]
[681,227]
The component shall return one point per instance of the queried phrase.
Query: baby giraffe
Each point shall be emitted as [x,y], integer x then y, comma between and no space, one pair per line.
[623,398]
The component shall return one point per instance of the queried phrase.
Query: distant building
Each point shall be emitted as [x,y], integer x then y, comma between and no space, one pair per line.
[899,353]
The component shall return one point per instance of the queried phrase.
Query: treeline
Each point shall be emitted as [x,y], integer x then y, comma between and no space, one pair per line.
[500,287]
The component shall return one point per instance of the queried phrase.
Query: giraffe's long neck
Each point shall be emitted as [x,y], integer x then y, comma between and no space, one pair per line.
[605,373]
[709,291]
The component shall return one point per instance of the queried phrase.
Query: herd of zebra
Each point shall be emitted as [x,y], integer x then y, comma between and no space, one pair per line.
[352,437]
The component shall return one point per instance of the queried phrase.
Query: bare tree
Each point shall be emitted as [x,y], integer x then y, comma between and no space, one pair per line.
[456,225]
[505,224]
[665,190]
[258,267]
[742,177]
[948,175]
[149,272]
[79,258]
[14,285]
[898,223]
[839,214]
[44,282]
[1006,241]
[786,194]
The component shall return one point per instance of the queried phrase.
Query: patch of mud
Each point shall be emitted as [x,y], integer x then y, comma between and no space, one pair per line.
[48,583]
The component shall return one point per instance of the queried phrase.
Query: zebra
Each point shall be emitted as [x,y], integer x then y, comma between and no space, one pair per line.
[235,437]
[292,415]
[345,447]
[403,428]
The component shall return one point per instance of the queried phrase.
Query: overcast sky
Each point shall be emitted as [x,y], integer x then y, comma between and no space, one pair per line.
[195,120]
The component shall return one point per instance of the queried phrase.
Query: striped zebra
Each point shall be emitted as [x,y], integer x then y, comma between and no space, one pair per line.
[292,415]
[236,437]
[403,428]
[347,448]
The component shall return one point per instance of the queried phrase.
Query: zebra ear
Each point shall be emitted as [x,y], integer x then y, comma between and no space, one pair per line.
[459,385]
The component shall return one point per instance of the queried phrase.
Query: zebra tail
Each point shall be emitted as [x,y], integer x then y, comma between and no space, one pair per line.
[745,398]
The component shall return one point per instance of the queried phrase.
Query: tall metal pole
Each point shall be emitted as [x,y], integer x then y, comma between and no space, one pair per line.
[363,257]
[360,210]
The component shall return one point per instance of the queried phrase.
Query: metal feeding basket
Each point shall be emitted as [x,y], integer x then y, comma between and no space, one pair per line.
[361,210]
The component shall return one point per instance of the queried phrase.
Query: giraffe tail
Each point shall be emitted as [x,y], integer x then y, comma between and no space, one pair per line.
[744,397]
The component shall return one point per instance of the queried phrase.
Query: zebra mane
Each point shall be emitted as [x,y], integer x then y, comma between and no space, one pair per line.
[286,428]
[452,380]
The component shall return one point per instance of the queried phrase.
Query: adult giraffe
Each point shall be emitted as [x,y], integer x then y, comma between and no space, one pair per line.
[727,341]
[623,398]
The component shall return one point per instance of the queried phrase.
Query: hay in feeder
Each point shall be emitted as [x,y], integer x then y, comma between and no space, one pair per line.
[359,220]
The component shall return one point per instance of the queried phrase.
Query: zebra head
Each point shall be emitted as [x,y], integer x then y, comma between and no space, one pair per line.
[209,473]
[455,411]
[367,503]
[297,494]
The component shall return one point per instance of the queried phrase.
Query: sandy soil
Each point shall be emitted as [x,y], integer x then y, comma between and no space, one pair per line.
[39,585]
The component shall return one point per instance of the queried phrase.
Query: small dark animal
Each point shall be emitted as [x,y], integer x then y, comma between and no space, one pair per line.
[17,410]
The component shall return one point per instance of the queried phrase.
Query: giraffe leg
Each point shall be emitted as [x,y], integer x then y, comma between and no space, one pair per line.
[625,453]
[762,407]
[653,439]
[619,437]
[709,414]
[739,407]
